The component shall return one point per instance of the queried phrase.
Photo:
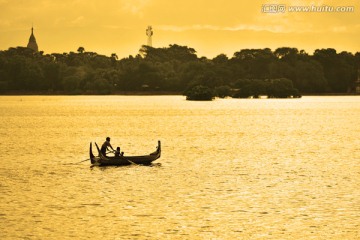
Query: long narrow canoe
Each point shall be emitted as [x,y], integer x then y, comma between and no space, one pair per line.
[102,160]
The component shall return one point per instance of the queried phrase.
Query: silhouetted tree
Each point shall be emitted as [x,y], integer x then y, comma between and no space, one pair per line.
[81,50]
[249,73]
[199,93]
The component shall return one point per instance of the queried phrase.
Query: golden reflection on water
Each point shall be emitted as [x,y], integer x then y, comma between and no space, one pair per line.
[230,169]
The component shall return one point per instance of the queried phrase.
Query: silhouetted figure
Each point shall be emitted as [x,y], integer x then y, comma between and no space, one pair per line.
[117,152]
[105,146]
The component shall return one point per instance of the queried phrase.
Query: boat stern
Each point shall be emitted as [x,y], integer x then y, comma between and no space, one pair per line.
[92,157]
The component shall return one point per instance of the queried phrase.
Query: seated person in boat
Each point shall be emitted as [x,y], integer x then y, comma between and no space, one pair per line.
[118,153]
[105,146]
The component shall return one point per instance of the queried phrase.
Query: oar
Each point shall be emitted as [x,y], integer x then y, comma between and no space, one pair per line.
[84,160]
[89,158]
[77,162]
[131,162]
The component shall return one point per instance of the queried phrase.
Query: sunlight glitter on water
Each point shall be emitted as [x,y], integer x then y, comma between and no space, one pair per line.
[230,169]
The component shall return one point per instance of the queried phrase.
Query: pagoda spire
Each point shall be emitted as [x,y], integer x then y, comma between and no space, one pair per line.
[32,41]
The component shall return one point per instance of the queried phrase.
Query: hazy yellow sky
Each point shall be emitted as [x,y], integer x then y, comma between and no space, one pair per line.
[211,27]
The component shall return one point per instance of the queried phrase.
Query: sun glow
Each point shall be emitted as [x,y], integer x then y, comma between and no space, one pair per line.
[211,28]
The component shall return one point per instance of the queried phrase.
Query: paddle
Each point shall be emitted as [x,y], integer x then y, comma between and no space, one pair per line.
[77,162]
[131,161]
[84,160]
[89,158]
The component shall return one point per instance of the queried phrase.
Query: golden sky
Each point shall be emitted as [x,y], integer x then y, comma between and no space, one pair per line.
[210,27]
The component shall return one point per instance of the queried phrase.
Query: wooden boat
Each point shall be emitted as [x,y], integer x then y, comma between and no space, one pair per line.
[102,160]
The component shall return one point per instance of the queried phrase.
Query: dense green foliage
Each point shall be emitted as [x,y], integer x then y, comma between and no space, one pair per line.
[274,88]
[199,92]
[250,72]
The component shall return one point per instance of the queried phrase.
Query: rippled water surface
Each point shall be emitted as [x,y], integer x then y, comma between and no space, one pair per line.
[230,169]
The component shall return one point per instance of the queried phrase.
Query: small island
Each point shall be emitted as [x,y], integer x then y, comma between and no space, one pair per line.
[272,88]
[200,93]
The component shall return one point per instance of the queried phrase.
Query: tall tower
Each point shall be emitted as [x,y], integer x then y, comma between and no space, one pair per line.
[32,41]
[149,33]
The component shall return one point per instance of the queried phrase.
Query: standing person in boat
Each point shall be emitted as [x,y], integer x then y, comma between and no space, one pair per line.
[105,146]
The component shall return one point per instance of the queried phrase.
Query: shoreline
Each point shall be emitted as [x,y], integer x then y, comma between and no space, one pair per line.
[121,93]
[134,93]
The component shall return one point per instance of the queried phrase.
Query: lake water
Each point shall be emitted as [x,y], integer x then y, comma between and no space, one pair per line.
[230,168]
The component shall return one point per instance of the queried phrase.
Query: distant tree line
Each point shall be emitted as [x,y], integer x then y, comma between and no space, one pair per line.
[249,72]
